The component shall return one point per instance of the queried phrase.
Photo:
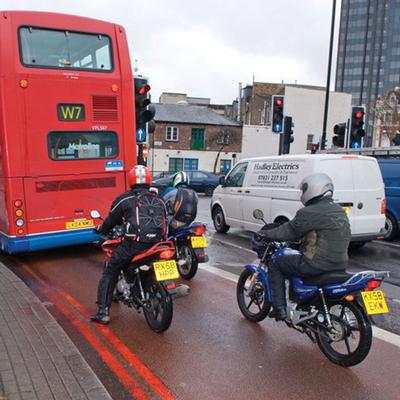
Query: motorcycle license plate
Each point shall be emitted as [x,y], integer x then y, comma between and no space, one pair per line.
[374,302]
[166,270]
[198,242]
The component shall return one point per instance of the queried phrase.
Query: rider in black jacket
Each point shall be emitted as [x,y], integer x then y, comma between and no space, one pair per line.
[122,209]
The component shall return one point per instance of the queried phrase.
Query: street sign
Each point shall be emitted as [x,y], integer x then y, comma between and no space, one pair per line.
[140,135]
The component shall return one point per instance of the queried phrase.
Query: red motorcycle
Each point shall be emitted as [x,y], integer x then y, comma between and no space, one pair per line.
[144,284]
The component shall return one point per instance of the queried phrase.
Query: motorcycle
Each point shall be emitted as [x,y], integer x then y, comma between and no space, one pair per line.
[190,244]
[144,284]
[327,307]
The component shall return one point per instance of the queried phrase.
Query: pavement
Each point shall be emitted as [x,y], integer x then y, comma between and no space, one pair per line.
[37,358]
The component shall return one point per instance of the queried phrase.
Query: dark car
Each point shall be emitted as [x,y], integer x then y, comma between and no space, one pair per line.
[200,181]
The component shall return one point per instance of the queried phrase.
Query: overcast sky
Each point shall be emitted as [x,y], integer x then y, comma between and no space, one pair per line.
[204,48]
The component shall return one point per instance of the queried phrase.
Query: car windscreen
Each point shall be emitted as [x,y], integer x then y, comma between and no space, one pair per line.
[82,145]
[48,48]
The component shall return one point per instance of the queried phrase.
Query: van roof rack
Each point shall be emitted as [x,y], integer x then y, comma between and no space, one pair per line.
[378,152]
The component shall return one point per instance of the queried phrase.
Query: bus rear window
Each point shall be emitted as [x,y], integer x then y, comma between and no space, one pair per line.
[63,49]
[82,145]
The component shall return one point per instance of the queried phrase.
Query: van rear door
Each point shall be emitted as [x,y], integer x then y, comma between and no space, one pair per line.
[339,169]
[368,196]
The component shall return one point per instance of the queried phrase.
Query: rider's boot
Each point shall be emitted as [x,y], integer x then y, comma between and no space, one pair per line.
[102,316]
[279,313]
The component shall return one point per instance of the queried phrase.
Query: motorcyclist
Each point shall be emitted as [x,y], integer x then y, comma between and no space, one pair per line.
[169,196]
[122,210]
[324,229]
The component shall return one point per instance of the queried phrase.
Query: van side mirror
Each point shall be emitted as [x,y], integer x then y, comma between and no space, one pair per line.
[222,181]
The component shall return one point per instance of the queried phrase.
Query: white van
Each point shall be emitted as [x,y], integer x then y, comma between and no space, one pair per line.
[271,184]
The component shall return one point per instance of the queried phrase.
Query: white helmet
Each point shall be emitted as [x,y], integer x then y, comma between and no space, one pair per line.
[181,178]
[316,185]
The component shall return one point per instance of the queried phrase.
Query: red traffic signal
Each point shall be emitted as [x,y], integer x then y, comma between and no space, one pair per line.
[359,114]
[144,89]
[277,113]
[279,101]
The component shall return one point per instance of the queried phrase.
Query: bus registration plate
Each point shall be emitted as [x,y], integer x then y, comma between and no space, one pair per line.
[374,302]
[84,223]
[166,270]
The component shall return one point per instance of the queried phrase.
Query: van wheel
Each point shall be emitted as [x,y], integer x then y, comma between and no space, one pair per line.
[391,227]
[219,220]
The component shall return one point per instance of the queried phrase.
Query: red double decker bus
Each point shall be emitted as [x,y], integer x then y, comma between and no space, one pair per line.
[66,126]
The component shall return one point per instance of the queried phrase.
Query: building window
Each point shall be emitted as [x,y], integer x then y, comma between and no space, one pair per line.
[172,134]
[175,164]
[191,164]
[197,139]
[225,166]
[310,139]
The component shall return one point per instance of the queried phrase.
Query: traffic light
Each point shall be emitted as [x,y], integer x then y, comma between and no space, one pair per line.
[357,131]
[287,135]
[143,110]
[278,103]
[340,131]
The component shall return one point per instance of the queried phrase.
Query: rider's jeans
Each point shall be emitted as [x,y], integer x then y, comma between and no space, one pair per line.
[282,267]
[120,258]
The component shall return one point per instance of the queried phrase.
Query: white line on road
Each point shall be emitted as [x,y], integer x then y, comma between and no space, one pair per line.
[388,244]
[232,244]
[379,333]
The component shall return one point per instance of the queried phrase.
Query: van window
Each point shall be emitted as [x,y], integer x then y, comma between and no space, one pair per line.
[236,177]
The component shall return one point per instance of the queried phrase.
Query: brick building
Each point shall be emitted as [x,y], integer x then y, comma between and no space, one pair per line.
[193,137]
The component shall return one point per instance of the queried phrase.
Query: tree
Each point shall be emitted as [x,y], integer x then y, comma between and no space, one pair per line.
[387,117]
[224,137]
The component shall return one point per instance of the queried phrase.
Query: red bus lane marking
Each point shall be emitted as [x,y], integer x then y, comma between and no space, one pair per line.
[132,359]
[154,383]
[111,361]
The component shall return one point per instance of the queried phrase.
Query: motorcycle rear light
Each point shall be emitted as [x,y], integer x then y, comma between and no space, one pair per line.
[166,254]
[373,284]
[383,206]
[200,230]
[349,297]
[171,286]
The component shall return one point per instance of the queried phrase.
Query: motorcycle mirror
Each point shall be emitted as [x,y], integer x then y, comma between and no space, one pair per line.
[95,214]
[258,214]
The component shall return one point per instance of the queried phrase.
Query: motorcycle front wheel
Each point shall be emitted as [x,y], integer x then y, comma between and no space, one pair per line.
[350,341]
[254,305]
[158,310]
[187,263]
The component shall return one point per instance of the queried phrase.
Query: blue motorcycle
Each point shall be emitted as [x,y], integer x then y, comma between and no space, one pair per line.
[331,309]
[190,245]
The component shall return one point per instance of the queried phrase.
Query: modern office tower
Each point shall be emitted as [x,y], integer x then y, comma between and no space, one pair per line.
[368,62]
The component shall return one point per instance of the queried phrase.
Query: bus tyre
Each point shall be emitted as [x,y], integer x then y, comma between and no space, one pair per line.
[391,227]
[219,220]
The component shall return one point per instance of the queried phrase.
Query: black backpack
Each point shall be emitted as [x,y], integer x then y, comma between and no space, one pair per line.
[149,224]
[185,205]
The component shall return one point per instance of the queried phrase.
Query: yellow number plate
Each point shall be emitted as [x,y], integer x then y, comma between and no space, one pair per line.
[374,302]
[85,223]
[198,242]
[166,270]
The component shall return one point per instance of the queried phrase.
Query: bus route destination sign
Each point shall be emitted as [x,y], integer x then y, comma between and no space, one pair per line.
[70,112]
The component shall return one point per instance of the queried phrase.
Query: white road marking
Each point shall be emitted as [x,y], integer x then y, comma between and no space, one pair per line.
[389,244]
[379,333]
[232,244]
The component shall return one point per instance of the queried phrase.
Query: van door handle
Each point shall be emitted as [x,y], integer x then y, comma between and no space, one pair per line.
[247,191]
[239,191]
[360,206]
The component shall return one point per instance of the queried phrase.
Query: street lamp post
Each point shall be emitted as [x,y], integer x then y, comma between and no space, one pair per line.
[328,80]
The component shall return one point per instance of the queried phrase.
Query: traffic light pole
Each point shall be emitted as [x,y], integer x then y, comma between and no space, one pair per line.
[328,80]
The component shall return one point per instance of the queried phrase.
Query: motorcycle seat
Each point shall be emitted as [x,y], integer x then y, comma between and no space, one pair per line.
[328,278]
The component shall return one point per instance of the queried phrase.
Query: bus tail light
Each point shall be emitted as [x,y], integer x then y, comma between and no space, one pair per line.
[18,203]
[19,222]
[19,213]
[20,231]
[383,206]
[23,83]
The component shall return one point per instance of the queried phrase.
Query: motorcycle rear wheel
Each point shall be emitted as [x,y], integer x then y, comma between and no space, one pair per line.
[258,298]
[159,312]
[189,269]
[353,328]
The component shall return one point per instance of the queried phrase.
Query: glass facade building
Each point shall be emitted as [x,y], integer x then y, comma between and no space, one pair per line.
[368,62]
